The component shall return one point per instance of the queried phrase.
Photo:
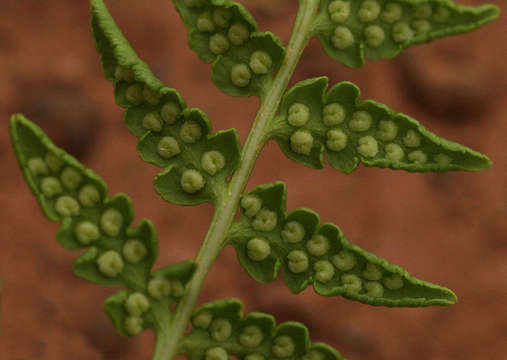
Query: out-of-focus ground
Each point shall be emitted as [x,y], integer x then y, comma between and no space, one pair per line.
[445,228]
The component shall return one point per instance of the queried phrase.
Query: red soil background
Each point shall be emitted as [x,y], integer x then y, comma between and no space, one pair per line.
[447,228]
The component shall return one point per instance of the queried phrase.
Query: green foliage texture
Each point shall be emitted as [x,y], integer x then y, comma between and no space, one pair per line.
[308,121]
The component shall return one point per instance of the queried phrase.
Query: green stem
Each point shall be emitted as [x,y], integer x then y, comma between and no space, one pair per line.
[167,341]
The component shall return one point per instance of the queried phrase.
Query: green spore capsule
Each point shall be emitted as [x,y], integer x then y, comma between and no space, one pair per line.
[88,195]
[124,74]
[298,114]
[422,11]
[134,94]
[170,112]
[137,304]
[265,220]
[374,35]
[212,162]
[421,27]
[133,325]
[86,232]
[301,142]
[401,32]
[205,23]
[352,283]
[374,289]
[412,139]
[260,62]
[152,121]
[418,157]
[168,147]
[391,13]
[190,132]
[324,271]
[293,232]
[111,222]
[339,11]
[151,96]
[318,245]
[388,130]
[53,162]
[344,260]
[251,205]
[67,206]
[218,44]
[71,179]
[192,181]
[110,263]
[51,186]
[336,139]
[251,336]
[333,114]
[159,287]
[238,34]
[394,152]
[202,320]
[361,121]
[220,329]
[134,251]
[369,11]
[394,282]
[443,159]
[372,272]
[216,353]
[222,17]
[297,261]
[177,288]
[258,249]
[283,346]
[342,37]
[241,75]
[368,146]
[441,14]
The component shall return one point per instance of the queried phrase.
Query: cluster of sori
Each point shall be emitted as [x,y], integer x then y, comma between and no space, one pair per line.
[225,30]
[68,194]
[173,132]
[311,252]
[380,29]
[145,306]
[133,307]
[403,21]
[223,34]
[170,134]
[117,254]
[349,130]
[398,147]
[222,331]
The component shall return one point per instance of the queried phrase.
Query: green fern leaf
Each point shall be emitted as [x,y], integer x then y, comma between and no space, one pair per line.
[219,329]
[266,237]
[170,135]
[349,31]
[223,33]
[117,254]
[350,131]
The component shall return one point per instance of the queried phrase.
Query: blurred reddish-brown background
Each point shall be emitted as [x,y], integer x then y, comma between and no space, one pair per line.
[445,228]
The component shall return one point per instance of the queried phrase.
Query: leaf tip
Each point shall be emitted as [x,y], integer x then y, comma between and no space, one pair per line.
[479,162]
[488,12]
[16,120]
[448,297]
[486,163]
